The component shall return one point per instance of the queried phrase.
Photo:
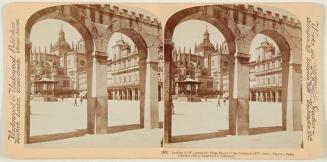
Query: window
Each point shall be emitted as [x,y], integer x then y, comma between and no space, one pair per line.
[273,64]
[82,62]
[276,63]
[274,80]
[209,84]
[264,67]
[258,80]
[267,66]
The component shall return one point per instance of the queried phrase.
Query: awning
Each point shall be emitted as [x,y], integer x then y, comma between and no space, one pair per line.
[225,95]
[82,94]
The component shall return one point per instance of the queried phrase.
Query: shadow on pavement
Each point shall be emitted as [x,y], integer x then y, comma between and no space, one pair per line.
[57,136]
[200,136]
[261,130]
[123,128]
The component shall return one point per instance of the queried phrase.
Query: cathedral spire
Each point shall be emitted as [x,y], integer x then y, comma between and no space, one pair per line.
[61,33]
[189,56]
[175,54]
[61,29]
[206,33]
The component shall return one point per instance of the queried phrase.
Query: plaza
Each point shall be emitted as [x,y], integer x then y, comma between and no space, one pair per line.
[49,118]
[62,118]
[207,117]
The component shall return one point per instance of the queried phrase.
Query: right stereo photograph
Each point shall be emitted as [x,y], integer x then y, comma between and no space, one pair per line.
[233,78]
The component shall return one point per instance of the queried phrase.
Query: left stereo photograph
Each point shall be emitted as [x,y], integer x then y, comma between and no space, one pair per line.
[93,69]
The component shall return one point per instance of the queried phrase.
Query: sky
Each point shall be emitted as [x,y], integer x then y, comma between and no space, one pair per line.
[190,32]
[47,31]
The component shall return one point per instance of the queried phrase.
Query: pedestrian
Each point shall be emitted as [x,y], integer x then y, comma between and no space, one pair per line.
[172,108]
[161,143]
[75,101]
[81,99]
[224,100]
[62,97]
[218,102]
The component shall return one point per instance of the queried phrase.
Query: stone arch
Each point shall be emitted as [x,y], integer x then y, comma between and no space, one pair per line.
[55,12]
[286,38]
[277,33]
[138,40]
[148,76]
[217,15]
[142,48]
[59,13]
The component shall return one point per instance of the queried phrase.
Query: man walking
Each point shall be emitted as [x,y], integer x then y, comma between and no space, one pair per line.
[75,101]
[172,108]
[81,100]
[218,102]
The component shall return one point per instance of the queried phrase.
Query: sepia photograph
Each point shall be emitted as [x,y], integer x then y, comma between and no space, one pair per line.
[163,80]
[233,80]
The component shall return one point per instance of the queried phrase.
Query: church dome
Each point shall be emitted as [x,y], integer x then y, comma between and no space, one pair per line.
[206,45]
[61,44]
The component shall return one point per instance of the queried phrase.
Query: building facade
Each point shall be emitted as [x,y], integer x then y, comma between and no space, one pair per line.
[123,72]
[266,74]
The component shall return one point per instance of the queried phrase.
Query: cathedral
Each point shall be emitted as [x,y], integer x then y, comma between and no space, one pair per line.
[207,66]
[56,71]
